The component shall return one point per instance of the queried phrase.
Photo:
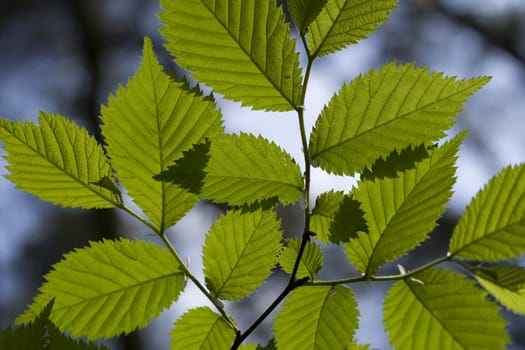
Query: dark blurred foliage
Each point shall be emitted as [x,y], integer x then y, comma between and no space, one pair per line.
[66,56]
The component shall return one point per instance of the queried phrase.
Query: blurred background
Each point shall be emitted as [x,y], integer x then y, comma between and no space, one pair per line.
[66,56]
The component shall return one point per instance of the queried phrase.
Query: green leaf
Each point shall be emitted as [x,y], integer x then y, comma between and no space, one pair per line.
[240,48]
[188,171]
[57,161]
[311,261]
[493,226]
[439,309]
[396,162]
[401,211]
[239,252]
[27,337]
[393,108]
[336,217]
[201,329]
[148,125]
[109,288]
[59,341]
[355,346]
[244,169]
[344,22]
[506,284]
[303,12]
[320,317]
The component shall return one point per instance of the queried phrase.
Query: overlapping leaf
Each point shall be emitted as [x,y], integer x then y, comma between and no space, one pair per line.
[57,161]
[201,329]
[440,309]
[29,336]
[109,288]
[239,252]
[493,226]
[392,108]
[401,211]
[344,22]
[147,126]
[506,284]
[311,260]
[244,169]
[321,317]
[240,48]
[336,217]
[303,12]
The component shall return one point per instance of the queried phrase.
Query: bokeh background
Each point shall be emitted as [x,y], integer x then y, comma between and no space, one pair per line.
[66,56]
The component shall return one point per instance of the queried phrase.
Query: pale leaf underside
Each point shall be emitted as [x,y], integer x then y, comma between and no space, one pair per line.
[392,108]
[240,48]
[440,309]
[57,161]
[109,288]
[493,226]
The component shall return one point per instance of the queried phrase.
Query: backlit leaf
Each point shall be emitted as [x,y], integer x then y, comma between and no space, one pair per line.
[311,261]
[344,22]
[240,48]
[147,126]
[506,284]
[392,108]
[244,169]
[493,226]
[57,161]
[304,12]
[109,288]
[440,309]
[336,217]
[201,329]
[401,212]
[320,317]
[239,252]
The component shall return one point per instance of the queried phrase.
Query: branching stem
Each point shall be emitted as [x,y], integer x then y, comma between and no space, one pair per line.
[183,266]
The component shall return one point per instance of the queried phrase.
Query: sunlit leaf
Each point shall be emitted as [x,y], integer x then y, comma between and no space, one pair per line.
[506,284]
[147,126]
[402,211]
[109,288]
[239,252]
[240,48]
[493,226]
[320,317]
[244,169]
[57,161]
[440,309]
[344,22]
[392,108]
[201,329]
[311,261]
[336,217]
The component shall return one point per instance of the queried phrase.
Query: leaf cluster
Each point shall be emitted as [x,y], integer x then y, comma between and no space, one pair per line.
[165,149]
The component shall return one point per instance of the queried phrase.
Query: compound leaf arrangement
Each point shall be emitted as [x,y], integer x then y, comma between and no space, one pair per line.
[165,149]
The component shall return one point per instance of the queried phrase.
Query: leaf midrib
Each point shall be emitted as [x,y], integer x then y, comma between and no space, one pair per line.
[261,70]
